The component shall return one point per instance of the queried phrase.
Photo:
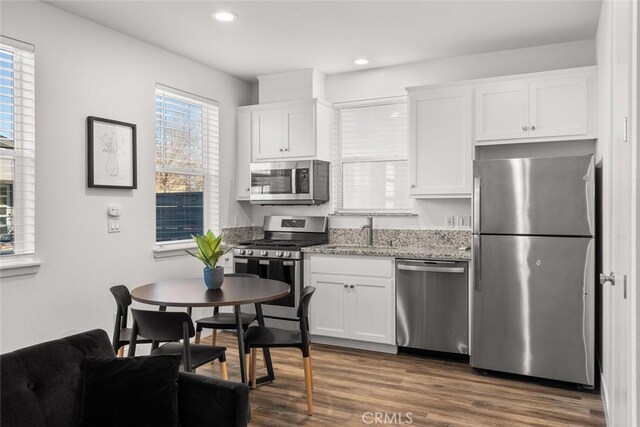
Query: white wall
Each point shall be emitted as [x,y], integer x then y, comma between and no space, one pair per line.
[84,69]
[392,81]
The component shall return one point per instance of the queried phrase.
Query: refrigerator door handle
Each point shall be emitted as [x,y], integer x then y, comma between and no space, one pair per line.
[476,263]
[476,205]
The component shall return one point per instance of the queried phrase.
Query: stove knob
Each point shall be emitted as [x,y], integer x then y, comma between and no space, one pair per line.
[278,253]
[263,253]
[249,252]
[287,254]
[241,251]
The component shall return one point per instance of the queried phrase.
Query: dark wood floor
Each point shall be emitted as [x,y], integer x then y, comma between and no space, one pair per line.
[350,384]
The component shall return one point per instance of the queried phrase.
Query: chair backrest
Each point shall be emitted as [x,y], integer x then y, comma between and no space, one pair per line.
[303,312]
[123,301]
[162,325]
[305,298]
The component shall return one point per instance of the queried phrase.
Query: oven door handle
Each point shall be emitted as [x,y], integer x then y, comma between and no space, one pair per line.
[263,262]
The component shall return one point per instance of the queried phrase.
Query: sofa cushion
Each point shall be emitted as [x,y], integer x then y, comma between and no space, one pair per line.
[41,385]
[136,391]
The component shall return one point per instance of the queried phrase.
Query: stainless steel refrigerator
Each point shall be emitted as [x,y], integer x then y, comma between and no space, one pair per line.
[533,267]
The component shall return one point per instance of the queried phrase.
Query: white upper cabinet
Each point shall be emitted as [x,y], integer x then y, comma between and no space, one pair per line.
[299,140]
[555,106]
[243,155]
[267,134]
[502,111]
[298,130]
[440,142]
[559,107]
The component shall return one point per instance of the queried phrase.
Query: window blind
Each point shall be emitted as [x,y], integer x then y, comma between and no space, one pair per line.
[187,165]
[17,147]
[370,154]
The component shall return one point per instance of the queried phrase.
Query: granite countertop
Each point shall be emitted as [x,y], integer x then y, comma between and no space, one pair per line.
[432,252]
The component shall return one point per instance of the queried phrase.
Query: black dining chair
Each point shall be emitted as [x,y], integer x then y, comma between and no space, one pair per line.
[267,337]
[122,334]
[174,326]
[224,320]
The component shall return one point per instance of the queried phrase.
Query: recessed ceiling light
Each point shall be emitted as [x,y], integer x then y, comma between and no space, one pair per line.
[224,16]
[361,61]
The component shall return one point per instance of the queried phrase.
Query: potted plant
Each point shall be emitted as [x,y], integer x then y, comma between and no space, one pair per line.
[209,252]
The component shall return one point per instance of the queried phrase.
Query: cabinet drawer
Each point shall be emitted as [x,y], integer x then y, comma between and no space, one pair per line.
[354,265]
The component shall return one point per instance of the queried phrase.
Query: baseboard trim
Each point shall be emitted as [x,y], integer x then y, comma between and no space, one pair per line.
[360,345]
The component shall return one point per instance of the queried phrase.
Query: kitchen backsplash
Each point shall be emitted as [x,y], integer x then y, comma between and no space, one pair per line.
[401,237]
[355,236]
[234,235]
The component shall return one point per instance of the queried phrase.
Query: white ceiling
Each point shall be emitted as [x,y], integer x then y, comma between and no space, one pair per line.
[276,36]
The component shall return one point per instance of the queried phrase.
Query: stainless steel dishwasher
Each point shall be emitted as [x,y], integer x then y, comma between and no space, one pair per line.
[432,305]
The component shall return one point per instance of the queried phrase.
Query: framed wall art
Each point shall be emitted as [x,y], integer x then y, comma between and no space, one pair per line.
[112,153]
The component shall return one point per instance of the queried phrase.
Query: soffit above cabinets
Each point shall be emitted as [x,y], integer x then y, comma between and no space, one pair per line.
[277,36]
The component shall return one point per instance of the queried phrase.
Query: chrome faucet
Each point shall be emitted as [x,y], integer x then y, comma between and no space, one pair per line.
[369,227]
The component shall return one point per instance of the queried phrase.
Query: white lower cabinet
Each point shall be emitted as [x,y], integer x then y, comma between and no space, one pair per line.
[354,299]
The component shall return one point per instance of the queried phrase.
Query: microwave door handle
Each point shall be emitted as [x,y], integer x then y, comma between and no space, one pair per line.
[294,186]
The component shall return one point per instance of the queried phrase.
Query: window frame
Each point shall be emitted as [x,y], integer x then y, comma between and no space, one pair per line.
[337,160]
[22,260]
[210,170]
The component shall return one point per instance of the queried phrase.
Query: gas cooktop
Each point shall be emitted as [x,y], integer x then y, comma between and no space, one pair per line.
[279,243]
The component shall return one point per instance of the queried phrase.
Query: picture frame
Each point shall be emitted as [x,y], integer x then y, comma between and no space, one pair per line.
[112,160]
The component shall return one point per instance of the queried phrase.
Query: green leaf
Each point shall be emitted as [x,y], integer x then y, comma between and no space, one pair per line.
[209,251]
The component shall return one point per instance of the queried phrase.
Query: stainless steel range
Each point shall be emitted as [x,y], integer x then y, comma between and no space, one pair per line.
[279,256]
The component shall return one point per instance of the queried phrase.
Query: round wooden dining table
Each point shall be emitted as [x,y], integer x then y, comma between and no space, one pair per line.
[234,292]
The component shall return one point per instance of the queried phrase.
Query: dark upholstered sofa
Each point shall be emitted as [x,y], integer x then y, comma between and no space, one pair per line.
[42,385]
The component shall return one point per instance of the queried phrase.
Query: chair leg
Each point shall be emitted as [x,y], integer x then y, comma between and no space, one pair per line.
[264,359]
[198,333]
[214,335]
[254,359]
[121,352]
[307,381]
[247,363]
[311,367]
[223,370]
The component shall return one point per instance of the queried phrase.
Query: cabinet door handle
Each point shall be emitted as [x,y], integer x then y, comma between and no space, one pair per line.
[524,128]
[346,286]
[247,189]
[352,286]
[533,127]
[412,186]
[286,149]
[282,149]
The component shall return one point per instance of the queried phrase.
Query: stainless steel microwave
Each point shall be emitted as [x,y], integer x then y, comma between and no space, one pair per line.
[304,182]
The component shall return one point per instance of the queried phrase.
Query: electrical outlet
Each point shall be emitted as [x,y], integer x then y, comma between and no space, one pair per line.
[449,221]
[464,221]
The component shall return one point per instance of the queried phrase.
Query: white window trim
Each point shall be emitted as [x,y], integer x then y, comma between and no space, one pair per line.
[22,263]
[337,162]
[19,265]
[175,248]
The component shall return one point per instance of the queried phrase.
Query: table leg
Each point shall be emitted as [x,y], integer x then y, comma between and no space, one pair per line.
[243,368]
[267,354]
[156,344]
